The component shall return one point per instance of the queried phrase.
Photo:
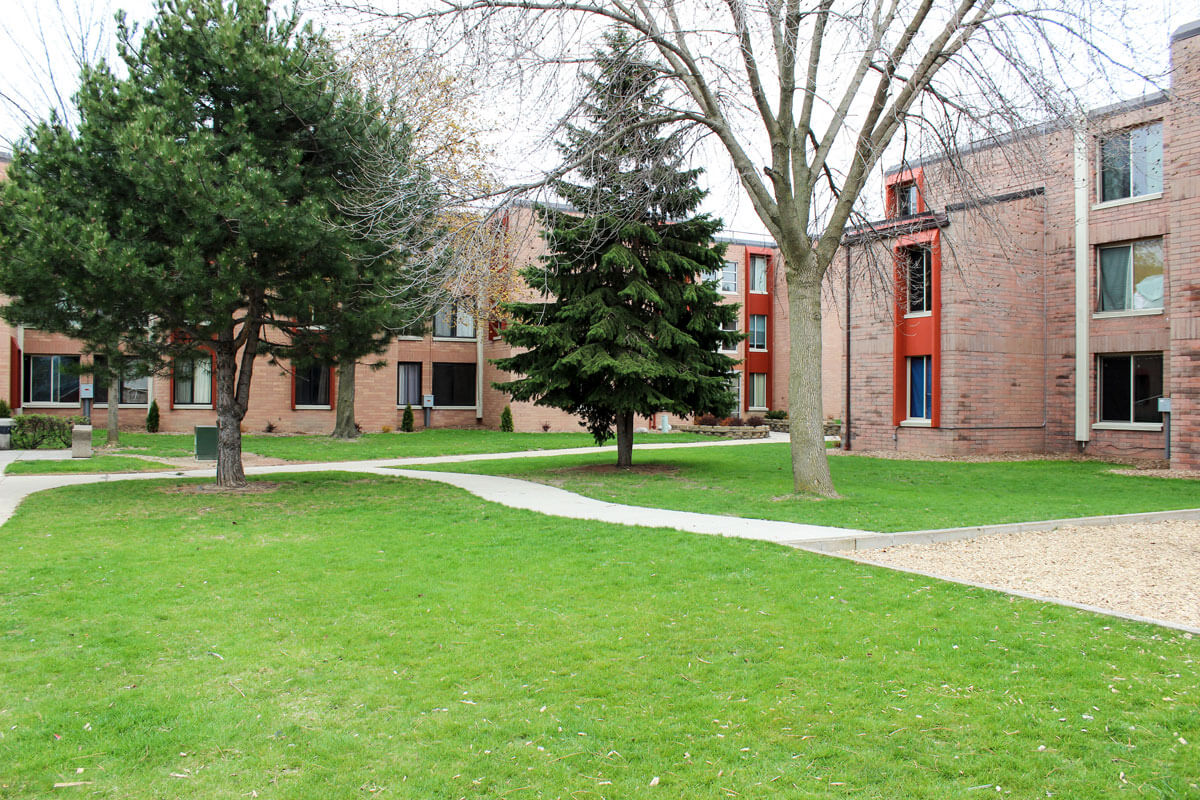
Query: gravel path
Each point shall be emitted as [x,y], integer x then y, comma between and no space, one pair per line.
[1150,570]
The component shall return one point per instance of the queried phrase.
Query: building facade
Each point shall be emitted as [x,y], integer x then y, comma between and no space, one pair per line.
[1039,295]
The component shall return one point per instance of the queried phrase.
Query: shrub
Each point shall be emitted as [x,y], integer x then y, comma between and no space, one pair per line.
[31,431]
[5,409]
[270,428]
[755,422]
[406,421]
[506,424]
[776,414]
[386,429]
[707,419]
[152,417]
[733,422]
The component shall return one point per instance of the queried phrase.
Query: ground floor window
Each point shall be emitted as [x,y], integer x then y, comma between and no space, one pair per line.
[191,381]
[312,385]
[758,390]
[1129,387]
[920,387]
[735,388]
[408,383]
[132,392]
[454,384]
[51,379]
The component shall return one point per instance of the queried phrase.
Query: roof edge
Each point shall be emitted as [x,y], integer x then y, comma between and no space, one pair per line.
[1186,31]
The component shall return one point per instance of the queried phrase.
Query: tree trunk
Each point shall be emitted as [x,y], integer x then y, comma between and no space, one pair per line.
[229,419]
[625,439]
[344,426]
[810,467]
[114,404]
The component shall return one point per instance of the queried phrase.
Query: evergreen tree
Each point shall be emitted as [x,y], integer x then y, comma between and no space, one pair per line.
[197,203]
[629,326]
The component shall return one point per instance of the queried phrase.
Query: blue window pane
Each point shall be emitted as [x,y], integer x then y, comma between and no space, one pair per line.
[920,387]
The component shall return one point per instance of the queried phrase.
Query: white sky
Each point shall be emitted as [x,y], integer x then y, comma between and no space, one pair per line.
[40,41]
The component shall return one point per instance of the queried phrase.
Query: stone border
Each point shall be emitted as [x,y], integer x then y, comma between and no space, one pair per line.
[727,432]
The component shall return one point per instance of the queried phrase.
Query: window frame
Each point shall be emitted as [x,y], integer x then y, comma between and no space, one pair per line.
[1132,423]
[759,279]
[926,259]
[400,365]
[1130,270]
[729,327]
[757,378]
[56,376]
[175,402]
[1103,161]
[315,368]
[473,383]
[906,199]
[453,317]
[750,319]
[99,387]
[927,393]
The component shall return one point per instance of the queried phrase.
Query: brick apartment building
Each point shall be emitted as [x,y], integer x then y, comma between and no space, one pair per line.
[1047,308]
[451,362]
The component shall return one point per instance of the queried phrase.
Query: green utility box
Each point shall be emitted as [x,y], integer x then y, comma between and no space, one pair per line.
[206,442]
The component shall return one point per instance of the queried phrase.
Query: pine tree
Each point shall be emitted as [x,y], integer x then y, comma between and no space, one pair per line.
[630,326]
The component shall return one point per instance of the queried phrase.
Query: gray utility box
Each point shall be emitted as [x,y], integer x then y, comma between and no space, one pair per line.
[6,425]
[206,442]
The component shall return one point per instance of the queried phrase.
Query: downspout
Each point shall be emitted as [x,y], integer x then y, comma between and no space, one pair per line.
[20,396]
[479,334]
[1083,432]
[846,356]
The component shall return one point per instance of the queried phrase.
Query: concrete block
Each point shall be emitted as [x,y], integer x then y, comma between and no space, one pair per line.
[81,441]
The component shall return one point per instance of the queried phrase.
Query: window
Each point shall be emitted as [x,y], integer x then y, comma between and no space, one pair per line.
[133,391]
[51,379]
[918,276]
[729,278]
[735,388]
[1131,276]
[452,322]
[1129,387]
[192,381]
[1131,163]
[408,383]
[758,273]
[312,385]
[907,199]
[454,384]
[414,329]
[920,387]
[758,331]
[758,390]
[729,327]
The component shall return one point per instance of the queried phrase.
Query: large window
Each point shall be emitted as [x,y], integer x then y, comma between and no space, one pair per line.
[758,391]
[192,381]
[312,385]
[1129,387]
[452,322]
[408,383]
[920,387]
[918,279]
[133,391]
[758,331]
[1131,276]
[454,384]
[1131,163]
[51,379]
[758,274]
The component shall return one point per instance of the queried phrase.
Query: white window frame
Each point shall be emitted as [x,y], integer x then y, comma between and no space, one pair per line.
[727,283]
[750,328]
[910,420]
[298,406]
[730,327]
[1132,309]
[56,375]
[458,321]
[400,365]
[1130,424]
[1153,190]
[755,379]
[208,367]
[758,277]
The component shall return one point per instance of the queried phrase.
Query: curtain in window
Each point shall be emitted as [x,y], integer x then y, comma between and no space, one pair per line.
[408,383]
[1114,279]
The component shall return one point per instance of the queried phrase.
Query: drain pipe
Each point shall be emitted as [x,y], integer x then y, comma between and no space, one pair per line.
[1083,261]
[846,421]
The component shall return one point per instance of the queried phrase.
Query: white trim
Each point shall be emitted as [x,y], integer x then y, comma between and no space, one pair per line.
[44,404]
[454,408]
[758,408]
[455,339]
[756,350]
[1127,426]
[1132,312]
[916,423]
[409,338]
[918,314]
[312,408]
[1125,201]
[122,405]
[191,406]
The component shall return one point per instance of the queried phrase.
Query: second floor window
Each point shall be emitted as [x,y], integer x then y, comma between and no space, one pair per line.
[907,199]
[728,283]
[758,273]
[1131,163]
[758,331]
[919,279]
[1131,276]
[453,322]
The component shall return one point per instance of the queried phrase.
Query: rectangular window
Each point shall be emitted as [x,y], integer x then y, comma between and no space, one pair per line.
[51,379]
[735,388]
[1131,276]
[312,385]
[917,261]
[415,329]
[920,387]
[408,384]
[758,331]
[454,384]
[133,391]
[758,391]
[1129,387]
[729,277]
[1131,163]
[452,322]
[729,327]
[192,381]
[907,201]
[758,274]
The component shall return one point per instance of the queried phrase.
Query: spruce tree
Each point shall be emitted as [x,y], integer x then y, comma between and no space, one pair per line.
[628,325]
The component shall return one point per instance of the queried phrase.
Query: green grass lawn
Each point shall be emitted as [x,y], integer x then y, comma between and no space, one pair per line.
[430,645]
[433,442]
[99,463]
[877,494]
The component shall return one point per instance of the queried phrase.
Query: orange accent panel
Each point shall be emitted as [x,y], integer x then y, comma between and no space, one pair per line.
[760,303]
[915,175]
[918,336]
[14,374]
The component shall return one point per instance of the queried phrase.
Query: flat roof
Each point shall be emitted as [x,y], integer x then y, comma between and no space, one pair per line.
[1186,31]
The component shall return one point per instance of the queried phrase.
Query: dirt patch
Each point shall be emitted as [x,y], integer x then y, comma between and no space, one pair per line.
[1187,474]
[255,487]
